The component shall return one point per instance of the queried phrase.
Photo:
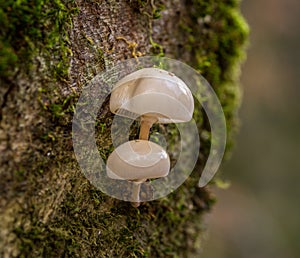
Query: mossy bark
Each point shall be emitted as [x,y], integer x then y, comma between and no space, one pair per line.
[49,50]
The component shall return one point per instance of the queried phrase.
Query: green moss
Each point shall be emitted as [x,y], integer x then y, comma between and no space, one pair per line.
[30,25]
[119,231]
[216,35]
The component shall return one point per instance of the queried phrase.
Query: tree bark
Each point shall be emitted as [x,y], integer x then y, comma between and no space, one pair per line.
[49,51]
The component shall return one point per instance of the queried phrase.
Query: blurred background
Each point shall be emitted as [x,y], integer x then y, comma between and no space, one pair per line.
[259,215]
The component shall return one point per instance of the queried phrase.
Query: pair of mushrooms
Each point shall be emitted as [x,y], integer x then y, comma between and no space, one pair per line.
[157,96]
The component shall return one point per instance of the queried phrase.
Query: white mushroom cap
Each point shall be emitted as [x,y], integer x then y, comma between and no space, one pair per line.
[154,92]
[138,160]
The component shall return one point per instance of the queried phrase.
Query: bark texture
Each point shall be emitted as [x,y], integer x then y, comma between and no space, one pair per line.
[49,50]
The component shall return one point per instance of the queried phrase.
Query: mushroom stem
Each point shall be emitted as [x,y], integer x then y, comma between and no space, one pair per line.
[136,188]
[146,124]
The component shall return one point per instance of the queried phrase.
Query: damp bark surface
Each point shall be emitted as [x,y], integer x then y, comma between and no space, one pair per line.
[49,51]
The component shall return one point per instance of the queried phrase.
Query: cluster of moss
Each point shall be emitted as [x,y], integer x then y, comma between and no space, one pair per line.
[216,35]
[28,26]
[225,41]
[93,225]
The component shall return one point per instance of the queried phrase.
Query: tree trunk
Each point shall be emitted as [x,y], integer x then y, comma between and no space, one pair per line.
[49,50]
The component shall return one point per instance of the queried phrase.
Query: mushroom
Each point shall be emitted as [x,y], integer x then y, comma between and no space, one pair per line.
[157,96]
[137,161]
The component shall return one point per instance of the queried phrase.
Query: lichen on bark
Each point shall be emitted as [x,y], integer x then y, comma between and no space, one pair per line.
[49,51]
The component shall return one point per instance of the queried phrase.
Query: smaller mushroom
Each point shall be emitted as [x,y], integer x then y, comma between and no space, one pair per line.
[157,96]
[137,161]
